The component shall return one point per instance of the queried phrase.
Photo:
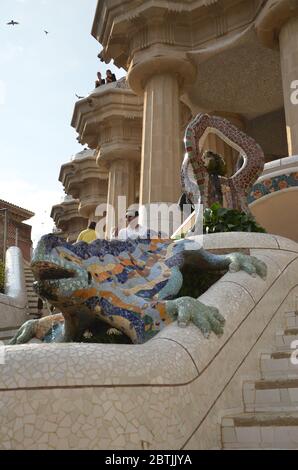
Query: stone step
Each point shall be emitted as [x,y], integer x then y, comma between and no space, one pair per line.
[279,365]
[32,295]
[29,287]
[291,319]
[284,339]
[271,395]
[32,306]
[260,431]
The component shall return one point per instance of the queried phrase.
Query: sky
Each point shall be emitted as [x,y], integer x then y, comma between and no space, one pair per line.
[39,77]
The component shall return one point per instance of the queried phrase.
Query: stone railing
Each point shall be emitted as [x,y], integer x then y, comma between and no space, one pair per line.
[278,175]
[13,304]
[169,393]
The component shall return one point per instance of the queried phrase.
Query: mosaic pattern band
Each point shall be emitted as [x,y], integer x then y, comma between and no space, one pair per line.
[273,185]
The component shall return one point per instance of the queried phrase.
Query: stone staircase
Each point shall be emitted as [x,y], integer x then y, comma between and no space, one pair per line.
[32,297]
[270,416]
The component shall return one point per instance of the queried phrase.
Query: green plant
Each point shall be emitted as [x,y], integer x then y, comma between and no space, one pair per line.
[219,219]
[2,277]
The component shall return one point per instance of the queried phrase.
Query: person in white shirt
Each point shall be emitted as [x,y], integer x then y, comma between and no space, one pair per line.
[133,229]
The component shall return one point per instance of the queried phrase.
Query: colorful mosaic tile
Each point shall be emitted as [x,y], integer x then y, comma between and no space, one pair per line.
[196,181]
[127,285]
[272,185]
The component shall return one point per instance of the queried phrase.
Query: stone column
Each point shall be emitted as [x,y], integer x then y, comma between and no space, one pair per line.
[121,183]
[161,150]
[277,26]
[288,41]
[161,78]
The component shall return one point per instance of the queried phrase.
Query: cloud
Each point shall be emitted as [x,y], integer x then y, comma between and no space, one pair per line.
[39,201]
[10,52]
[2,92]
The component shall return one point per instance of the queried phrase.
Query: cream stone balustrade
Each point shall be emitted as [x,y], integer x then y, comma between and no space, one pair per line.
[84,180]
[67,218]
[110,120]
[278,26]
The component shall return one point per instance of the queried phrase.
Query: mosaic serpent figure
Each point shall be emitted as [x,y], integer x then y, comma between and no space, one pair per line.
[196,181]
[127,285]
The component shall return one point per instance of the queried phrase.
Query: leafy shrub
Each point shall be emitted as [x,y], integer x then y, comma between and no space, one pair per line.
[218,219]
[2,277]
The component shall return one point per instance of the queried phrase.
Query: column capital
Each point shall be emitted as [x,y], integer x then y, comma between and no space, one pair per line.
[272,18]
[158,60]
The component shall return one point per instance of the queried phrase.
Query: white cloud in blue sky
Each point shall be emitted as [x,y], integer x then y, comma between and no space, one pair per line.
[40,75]
[2,92]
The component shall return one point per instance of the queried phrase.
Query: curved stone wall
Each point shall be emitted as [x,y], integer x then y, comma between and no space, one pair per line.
[152,396]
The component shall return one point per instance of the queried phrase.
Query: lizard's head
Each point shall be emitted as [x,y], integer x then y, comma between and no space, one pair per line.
[60,274]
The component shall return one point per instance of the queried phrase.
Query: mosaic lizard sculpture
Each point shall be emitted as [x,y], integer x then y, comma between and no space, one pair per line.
[196,181]
[129,285]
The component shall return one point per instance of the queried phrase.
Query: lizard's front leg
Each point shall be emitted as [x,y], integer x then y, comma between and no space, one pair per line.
[206,318]
[235,262]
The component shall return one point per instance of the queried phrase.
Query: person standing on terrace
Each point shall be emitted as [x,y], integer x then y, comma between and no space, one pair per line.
[100,81]
[110,77]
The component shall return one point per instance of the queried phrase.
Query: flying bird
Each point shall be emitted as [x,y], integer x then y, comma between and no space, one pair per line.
[80,97]
[46,32]
[12,23]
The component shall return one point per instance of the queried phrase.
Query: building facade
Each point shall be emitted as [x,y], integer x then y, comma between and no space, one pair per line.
[13,231]
[232,58]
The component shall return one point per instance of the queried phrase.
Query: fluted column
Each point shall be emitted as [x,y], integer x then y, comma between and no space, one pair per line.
[122,183]
[277,25]
[288,40]
[161,151]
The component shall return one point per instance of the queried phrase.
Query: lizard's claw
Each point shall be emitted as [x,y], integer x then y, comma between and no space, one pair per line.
[24,333]
[206,318]
[249,264]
